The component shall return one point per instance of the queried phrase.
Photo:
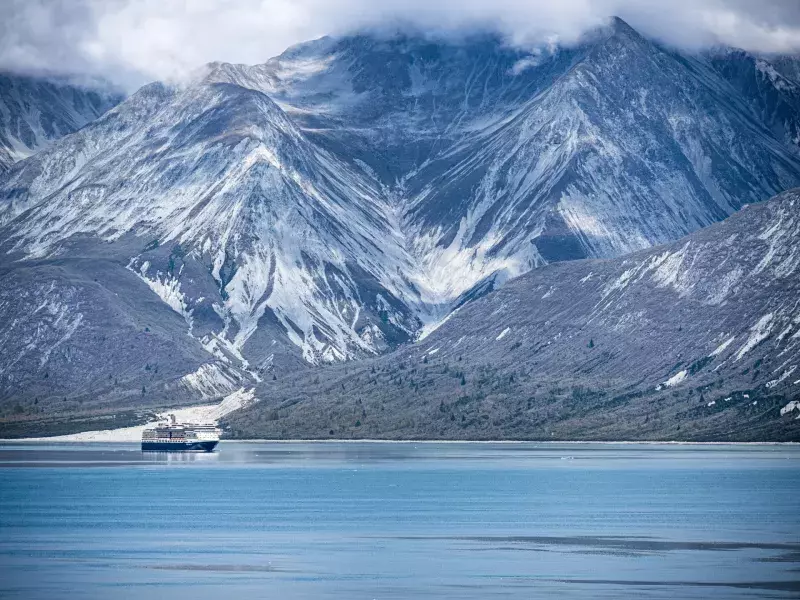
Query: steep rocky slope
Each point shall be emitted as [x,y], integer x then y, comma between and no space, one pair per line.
[34,111]
[502,160]
[773,96]
[698,339]
[237,216]
[341,200]
[217,217]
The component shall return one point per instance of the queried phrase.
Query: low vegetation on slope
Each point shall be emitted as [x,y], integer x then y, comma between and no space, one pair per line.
[696,340]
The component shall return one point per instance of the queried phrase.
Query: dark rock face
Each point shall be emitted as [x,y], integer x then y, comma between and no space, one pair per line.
[342,200]
[36,111]
[698,339]
[773,96]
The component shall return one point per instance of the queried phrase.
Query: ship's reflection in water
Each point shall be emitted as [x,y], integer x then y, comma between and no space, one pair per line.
[205,458]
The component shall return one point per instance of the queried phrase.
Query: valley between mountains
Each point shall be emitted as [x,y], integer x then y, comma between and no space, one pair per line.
[406,237]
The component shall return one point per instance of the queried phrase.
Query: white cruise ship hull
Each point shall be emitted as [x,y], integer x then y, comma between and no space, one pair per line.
[179,445]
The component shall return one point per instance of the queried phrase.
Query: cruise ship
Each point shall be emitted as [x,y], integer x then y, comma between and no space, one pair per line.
[169,436]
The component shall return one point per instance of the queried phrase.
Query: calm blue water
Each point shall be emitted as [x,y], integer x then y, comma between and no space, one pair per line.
[372,520]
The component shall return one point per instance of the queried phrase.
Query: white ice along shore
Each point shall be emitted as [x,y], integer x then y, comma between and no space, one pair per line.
[203,413]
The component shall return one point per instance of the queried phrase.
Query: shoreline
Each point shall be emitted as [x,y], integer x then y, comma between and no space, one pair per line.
[60,440]
[196,413]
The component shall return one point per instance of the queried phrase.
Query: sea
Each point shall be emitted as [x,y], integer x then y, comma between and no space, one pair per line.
[353,520]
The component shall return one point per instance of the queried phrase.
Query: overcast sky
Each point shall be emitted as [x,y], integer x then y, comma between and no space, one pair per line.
[135,41]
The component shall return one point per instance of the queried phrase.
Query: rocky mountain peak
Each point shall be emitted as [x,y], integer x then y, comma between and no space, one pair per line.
[345,198]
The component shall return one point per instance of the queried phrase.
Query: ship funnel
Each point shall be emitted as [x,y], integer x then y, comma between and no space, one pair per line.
[172,419]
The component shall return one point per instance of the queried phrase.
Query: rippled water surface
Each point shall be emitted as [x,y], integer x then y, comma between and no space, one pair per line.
[400,520]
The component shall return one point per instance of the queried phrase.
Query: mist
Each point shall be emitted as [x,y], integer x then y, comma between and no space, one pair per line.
[131,42]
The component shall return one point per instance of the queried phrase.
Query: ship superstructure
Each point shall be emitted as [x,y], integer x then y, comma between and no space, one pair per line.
[171,436]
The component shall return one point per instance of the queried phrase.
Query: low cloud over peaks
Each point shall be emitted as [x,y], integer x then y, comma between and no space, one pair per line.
[135,41]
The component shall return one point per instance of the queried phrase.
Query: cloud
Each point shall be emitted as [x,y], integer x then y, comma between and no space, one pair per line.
[135,41]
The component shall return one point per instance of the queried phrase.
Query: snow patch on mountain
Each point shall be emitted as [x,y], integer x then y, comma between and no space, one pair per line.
[211,380]
[758,333]
[784,375]
[791,407]
[723,346]
[679,377]
[167,288]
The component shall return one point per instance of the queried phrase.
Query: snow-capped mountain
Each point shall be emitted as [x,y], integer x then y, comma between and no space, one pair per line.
[503,160]
[345,197]
[697,339]
[34,111]
[237,215]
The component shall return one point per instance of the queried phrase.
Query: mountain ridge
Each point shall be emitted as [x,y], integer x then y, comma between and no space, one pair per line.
[343,199]
[698,339]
